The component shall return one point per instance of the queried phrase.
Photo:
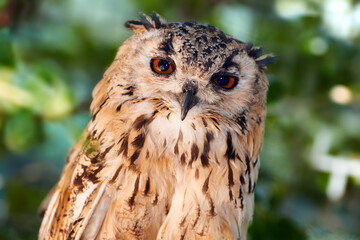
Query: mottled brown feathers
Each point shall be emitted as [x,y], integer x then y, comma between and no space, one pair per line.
[142,169]
[218,41]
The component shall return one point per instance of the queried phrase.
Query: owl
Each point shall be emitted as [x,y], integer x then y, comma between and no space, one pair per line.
[172,149]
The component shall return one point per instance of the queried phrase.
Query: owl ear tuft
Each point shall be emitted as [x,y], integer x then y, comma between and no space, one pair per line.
[265,60]
[157,20]
[261,61]
[248,47]
[145,23]
[255,52]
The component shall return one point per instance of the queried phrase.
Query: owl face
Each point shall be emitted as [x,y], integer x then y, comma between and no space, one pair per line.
[195,69]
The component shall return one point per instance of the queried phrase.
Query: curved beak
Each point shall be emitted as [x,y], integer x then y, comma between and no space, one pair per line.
[190,90]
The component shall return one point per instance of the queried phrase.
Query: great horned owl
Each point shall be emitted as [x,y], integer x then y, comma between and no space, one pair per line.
[172,149]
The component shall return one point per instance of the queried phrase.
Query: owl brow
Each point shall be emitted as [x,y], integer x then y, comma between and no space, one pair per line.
[229,60]
[167,45]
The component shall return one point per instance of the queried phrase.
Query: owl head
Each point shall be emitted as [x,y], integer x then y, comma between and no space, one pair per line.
[195,69]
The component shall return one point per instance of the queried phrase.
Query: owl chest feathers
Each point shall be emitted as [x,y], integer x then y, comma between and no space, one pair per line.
[173,171]
[149,132]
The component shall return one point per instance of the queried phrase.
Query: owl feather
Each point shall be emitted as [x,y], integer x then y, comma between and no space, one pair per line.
[172,149]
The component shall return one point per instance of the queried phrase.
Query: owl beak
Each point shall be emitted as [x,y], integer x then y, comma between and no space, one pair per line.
[190,90]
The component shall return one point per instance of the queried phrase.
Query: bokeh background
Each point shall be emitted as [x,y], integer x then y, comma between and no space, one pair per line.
[53,52]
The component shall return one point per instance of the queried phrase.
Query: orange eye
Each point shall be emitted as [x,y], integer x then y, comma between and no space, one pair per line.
[224,81]
[162,66]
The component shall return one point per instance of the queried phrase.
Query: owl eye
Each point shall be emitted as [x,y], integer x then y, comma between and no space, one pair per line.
[224,81]
[162,66]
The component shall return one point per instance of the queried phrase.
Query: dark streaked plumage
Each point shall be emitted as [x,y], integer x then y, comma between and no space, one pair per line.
[171,153]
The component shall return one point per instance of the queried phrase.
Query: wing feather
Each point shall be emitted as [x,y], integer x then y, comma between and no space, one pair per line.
[77,194]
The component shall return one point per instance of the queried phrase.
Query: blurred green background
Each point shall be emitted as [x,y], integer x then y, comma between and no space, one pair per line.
[52,53]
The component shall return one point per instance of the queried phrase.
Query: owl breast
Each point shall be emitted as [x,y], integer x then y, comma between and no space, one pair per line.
[192,167]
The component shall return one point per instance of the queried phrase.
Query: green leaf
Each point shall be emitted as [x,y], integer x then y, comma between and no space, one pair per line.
[268,226]
[6,54]
[53,98]
[21,131]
